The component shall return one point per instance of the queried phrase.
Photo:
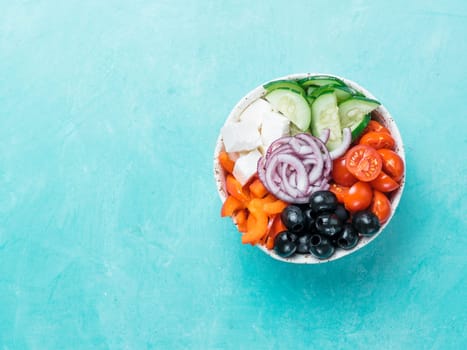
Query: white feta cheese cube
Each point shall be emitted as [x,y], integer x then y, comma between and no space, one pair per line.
[240,136]
[246,166]
[255,112]
[274,126]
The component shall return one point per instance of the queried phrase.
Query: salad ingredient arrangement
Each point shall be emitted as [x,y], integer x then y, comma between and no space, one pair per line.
[308,170]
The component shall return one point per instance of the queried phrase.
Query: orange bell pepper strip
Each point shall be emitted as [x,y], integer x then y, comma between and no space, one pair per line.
[235,189]
[225,161]
[276,228]
[273,208]
[258,224]
[231,206]
[242,227]
[257,189]
[268,199]
[250,222]
[263,240]
[269,243]
[240,218]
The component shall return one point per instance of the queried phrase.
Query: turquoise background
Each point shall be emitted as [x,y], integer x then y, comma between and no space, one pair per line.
[110,234]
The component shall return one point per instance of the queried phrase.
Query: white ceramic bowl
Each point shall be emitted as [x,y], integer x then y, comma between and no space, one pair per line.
[381,114]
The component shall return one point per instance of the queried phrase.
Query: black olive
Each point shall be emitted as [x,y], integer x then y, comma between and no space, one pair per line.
[321,247]
[292,217]
[310,220]
[347,238]
[303,244]
[285,244]
[342,213]
[323,201]
[328,224]
[366,223]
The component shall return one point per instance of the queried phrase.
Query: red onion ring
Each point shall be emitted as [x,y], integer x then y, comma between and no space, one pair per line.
[346,140]
[324,136]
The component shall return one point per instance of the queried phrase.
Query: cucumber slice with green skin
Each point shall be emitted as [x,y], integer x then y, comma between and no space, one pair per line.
[354,113]
[310,100]
[292,105]
[320,80]
[310,89]
[358,128]
[344,93]
[322,90]
[325,115]
[284,84]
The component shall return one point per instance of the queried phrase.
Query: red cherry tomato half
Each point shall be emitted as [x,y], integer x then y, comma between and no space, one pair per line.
[381,206]
[384,183]
[393,165]
[363,162]
[340,192]
[340,174]
[359,197]
[373,125]
[378,140]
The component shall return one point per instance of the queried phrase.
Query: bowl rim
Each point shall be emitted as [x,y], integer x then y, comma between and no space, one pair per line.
[382,115]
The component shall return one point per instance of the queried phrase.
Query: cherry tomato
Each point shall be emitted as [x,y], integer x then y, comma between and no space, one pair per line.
[359,197]
[377,140]
[393,165]
[384,183]
[340,174]
[373,125]
[339,191]
[363,162]
[380,206]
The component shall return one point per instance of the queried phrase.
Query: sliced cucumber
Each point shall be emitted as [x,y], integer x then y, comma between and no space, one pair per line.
[322,90]
[358,128]
[344,93]
[291,104]
[310,89]
[320,80]
[354,113]
[310,100]
[284,84]
[325,115]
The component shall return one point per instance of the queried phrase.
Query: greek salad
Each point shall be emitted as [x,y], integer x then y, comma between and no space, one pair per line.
[308,168]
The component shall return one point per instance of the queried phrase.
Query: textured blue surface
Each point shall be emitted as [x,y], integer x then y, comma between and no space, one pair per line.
[110,235]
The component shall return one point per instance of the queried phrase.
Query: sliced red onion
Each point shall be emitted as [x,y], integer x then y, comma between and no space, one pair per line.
[344,146]
[293,179]
[305,150]
[295,144]
[270,184]
[311,142]
[317,172]
[324,136]
[287,186]
[288,198]
[295,167]
[277,178]
[279,142]
[261,169]
[326,158]
[310,161]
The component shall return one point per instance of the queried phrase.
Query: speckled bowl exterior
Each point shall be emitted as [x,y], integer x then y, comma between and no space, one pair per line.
[381,114]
